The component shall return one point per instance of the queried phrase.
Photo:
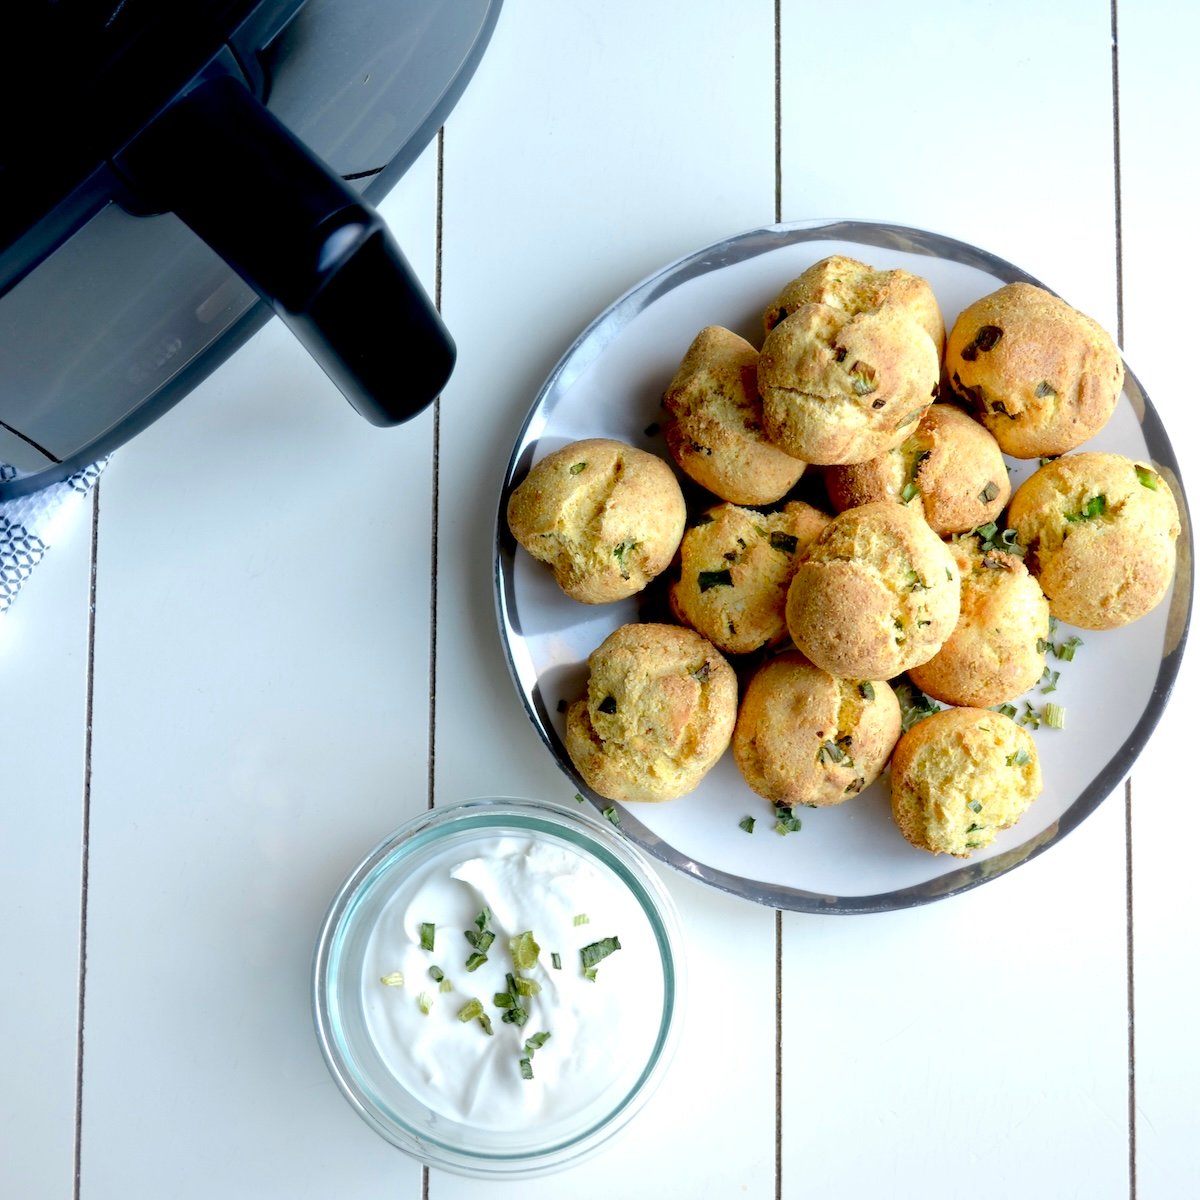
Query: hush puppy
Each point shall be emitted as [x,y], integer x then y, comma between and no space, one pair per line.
[876,593]
[959,777]
[842,387]
[605,516]
[804,737]
[997,649]
[715,428]
[1099,531]
[659,712]
[843,282]
[735,567]
[950,464]
[1041,375]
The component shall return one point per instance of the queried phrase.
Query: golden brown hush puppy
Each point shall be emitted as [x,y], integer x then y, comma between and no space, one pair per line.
[715,428]
[1041,375]
[735,567]
[950,464]
[959,777]
[843,388]
[998,648]
[659,712]
[853,286]
[1099,531]
[805,737]
[605,516]
[876,593]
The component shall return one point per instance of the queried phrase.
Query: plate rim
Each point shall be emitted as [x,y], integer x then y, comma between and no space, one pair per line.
[600,331]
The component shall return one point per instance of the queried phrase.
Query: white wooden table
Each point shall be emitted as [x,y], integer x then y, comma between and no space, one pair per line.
[271,639]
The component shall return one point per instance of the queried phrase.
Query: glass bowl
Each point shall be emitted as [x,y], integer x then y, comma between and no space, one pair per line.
[509,1055]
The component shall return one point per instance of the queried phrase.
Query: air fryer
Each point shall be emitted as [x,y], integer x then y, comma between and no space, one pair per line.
[175,173]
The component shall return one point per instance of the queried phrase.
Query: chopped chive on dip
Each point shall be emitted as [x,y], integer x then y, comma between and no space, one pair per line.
[524,951]
[591,955]
[425,1003]
[579,919]
[392,979]
[475,960]
[556,960]
[526,1069]
[428,930]
[535,1042]
[747,823]
[472,1010]
[436,974]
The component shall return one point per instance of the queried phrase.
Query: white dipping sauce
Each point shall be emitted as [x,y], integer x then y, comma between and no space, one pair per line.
[602,1031]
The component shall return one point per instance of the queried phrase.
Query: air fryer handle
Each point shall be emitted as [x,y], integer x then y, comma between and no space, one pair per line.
[303,239]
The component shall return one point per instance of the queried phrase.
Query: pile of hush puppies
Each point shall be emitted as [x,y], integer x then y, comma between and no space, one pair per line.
[930,568]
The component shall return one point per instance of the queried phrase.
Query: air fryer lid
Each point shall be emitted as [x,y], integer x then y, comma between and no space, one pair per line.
[141,308]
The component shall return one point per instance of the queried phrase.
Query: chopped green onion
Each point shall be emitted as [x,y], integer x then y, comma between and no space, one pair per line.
[594,953]
[536,1042]
[975,805]
[445,986]
[908,491]
[578,467]
[579,919]
[747,823]
[425,1002]
[1065,651]
[1146,477]
[786,821]
[830,752]
[483,920]
[525,987]
[1055,716]
[1093,508]
[712,579]
[785,543]
[556,960]
[866,690]
[436,974]
[480,941]
[989,493]
[486,1022]
[974,828]
[1029,716]
[470,1011]
[524,951]
[428,929]
[1009,710]
[393,979]
[475,961]
[526,1069]
[914,705]
[611,814]
[1018,758]
[1051,681]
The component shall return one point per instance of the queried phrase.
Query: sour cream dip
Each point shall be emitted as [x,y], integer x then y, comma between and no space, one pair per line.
[587,1031]
[497,987]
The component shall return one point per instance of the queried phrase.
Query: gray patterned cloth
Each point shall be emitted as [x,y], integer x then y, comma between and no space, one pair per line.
[29,525]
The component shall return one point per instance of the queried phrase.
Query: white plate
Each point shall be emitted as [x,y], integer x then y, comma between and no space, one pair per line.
[849,858]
